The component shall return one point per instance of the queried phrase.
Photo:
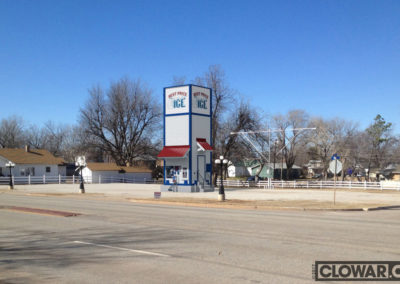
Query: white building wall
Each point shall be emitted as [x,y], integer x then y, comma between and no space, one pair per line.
[40,170]
[200,129]
[113,176]
[177,130]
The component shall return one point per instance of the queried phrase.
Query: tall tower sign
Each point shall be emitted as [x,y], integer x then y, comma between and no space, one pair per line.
[187,139]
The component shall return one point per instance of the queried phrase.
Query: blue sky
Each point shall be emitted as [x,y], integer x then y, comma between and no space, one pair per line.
[330,58]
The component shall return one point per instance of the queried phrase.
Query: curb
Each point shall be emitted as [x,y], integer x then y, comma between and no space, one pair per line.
[382,208]
[255,207]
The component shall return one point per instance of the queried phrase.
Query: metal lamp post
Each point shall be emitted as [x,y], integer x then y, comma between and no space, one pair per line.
[81,163]
[221,161]
[82,185]
[10,165]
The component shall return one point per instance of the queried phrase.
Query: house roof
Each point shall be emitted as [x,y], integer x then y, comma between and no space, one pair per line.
[392,168]
[33,156]
[243,163]
[104,167]
[277,166]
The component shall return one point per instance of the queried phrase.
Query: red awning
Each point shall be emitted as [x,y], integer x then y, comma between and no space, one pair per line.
[203,145]
[173,151]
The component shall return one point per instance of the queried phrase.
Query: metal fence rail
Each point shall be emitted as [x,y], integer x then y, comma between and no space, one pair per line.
[390,185]
[29,180]
[383,185]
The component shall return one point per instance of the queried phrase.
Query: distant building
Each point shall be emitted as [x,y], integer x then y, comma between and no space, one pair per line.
[392,172]
[33,162]
[314,167]
[110,172]
[295,172]
[240,168]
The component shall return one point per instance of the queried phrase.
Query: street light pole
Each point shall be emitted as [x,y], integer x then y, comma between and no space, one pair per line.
[80,162]
[10,165]
[82,186]
[221,161]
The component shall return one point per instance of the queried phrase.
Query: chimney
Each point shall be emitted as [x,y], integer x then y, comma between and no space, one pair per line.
[27,148]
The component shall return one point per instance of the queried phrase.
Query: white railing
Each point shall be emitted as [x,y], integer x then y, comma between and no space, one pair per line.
[392,185]
[71,180]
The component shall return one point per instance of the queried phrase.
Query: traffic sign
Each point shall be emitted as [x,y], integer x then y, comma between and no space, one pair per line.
[335,166]
[335,157]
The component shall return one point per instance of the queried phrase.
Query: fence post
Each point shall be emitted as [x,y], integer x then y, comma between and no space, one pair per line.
[99,178]
[29,179]
[350,184]
[320,187]
[13,180]
[59,179]
[73,179]
[365,185]
[381,185]
[294,184]
[44,179]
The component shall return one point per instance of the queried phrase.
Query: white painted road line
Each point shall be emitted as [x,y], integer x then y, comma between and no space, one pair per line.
[124,249]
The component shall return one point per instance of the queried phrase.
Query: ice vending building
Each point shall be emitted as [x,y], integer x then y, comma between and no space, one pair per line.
[187,139]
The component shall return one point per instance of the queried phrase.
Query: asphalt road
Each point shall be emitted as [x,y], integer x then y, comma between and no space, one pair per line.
[122,242]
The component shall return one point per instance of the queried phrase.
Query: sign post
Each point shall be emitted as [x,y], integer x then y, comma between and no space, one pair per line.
[335,166]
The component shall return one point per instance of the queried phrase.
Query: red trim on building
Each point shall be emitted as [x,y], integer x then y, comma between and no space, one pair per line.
[174,151]
[203,143]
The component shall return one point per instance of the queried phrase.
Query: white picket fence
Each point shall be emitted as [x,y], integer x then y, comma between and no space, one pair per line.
[71,180]
[304,184]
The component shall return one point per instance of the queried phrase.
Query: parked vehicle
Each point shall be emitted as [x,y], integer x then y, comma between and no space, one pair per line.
[253,178]
[317,176]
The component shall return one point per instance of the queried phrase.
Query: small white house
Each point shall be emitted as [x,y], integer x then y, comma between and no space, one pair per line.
[31,162]
[110,172]
[241,168]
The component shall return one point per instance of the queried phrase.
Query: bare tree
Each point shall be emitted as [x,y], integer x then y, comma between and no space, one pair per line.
[289,137]
[330,137]
[36,137]
[215,79]
[121,120]
[55,137]
[12,132]
[241,118]
[51,137]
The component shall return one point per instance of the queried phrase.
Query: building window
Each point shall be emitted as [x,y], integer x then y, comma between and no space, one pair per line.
[30,171]
[48,169]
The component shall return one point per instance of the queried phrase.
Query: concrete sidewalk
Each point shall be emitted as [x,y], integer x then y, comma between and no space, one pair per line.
[144,191]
